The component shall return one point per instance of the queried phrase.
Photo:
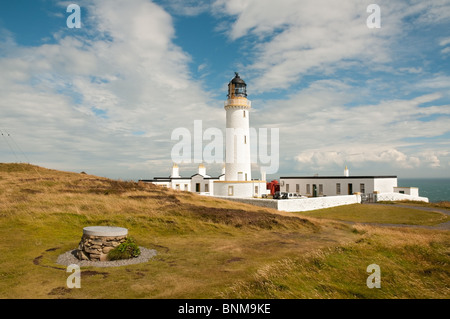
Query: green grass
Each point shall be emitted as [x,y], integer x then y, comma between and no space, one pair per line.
[206,248]
[379,214]
[407,271]
[440,205]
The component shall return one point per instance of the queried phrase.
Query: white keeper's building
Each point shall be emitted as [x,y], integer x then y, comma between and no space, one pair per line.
[322,186]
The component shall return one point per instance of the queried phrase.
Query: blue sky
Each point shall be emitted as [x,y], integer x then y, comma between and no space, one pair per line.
[105,98]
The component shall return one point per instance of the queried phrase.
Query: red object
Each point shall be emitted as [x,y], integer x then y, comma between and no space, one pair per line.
[273,186]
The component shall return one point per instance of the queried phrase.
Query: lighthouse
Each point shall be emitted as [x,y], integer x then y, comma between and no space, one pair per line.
[237,106]
[238,180]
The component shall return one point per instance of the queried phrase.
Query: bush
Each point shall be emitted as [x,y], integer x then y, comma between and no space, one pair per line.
[125,250]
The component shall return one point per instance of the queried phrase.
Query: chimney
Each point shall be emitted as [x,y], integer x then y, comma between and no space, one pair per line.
[175,171]
[202,170]
[263,174]
[223,169]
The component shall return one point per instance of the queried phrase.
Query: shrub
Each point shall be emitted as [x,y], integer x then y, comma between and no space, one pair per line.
[125,250]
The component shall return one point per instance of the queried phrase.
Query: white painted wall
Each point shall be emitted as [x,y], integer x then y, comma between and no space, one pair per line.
[203,182]
[300,205]
[398,197]
[414,191]
[238,161]
[241,190]
[182,184]
[329,185]
[385,185]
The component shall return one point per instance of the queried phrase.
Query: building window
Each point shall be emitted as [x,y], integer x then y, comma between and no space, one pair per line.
[230,190]
[308,188]
[256,190]
[297,188]
[320,189]
[338,189]
[362,188]
[186,187]
[206,188]
[287,188]
[177,187]
[197,187]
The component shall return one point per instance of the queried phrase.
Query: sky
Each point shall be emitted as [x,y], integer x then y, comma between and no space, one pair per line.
[105,98]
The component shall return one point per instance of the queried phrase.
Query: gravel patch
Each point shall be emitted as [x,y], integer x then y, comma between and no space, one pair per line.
[69,258]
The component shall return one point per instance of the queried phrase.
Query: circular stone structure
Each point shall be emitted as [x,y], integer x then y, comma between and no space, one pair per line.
[98,241]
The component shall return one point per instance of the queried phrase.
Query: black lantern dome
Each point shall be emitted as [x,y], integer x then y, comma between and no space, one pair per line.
[237,87]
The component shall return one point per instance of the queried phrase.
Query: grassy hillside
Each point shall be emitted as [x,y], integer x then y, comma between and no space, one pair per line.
[369,213]
[207,248]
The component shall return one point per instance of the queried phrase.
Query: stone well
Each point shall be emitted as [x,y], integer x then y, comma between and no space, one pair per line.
[97,241]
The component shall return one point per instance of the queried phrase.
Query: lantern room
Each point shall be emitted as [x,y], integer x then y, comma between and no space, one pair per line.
[237,87]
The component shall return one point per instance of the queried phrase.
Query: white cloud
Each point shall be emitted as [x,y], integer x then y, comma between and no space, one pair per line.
[359,155]
[126,66]
[108,98]
[308,36]
[318,130]
[294,39]
[444,41]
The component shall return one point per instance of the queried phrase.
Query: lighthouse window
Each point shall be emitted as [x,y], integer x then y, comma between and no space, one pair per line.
[240,91]
[245,139]
[244,113]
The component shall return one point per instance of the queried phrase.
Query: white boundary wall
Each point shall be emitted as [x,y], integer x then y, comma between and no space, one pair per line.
[307,204]
[299,205]
[397,196]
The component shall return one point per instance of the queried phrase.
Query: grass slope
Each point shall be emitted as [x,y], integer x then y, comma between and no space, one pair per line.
[207,248]
[373,213]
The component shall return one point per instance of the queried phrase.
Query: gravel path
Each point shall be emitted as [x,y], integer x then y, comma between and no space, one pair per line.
[69,258]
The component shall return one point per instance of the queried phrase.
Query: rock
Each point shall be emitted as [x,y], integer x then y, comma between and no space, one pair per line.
[98,241]
[107,249]
[84,256]
[92,251]
[94,256]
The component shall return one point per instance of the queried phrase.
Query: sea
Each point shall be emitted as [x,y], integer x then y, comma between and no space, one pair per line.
[436,189]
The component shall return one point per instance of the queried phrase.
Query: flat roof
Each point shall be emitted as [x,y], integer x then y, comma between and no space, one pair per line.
[337,177]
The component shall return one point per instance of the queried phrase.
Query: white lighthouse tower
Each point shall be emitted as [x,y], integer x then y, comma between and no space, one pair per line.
[238,173]
[238,161]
